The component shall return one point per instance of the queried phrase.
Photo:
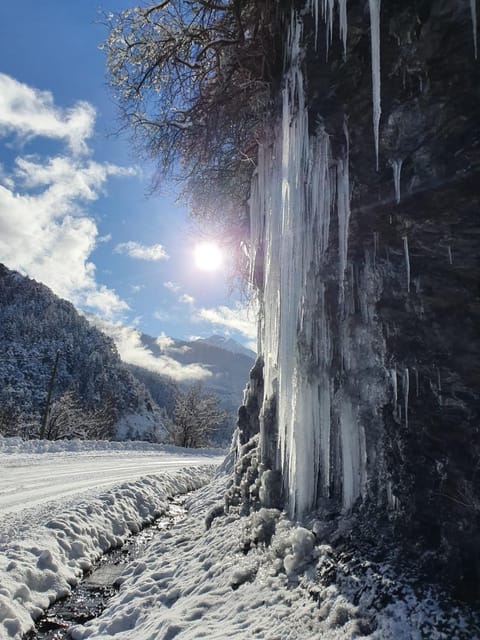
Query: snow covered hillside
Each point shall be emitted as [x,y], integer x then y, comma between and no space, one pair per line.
[36,326]
[64,504]
[214,575]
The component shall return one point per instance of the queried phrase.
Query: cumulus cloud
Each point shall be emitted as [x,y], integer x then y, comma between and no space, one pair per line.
[132,350]
[29,112]
[161,315]
[240,319]
[142,252]
[172,286]
[186,299]
[164,342]
[136,288]
[45,232]
[45,228]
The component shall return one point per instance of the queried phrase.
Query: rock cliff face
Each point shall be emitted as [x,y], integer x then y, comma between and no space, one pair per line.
[368,273]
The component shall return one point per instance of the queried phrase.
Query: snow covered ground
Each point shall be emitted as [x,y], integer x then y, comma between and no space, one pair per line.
[63,504]
[258,578]
[224,582]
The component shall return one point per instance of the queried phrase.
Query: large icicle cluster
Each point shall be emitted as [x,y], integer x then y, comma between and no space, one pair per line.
[326,371]
[300,208]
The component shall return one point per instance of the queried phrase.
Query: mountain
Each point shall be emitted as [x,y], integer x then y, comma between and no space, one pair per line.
[36,324]
[229,344]
[227,360]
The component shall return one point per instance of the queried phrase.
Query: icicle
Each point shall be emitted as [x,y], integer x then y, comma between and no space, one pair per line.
[329,6]
[374,6]
[353,454]
[375,248]
[449,251]
[397,172]
[343,209]
[314,10]
[342,9]
[439,386]
[407,261]
[473,9]
[393,374]
[328,10]
[406,391]
[417,386]
[392,499]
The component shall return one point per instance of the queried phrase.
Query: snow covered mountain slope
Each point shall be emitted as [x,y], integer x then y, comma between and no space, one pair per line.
[35,325]
[229,344]
[229,364]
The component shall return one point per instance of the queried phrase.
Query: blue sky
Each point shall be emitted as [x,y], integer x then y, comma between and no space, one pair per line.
[73,209]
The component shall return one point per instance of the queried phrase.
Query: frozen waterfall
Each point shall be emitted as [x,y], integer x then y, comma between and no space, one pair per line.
[300,212]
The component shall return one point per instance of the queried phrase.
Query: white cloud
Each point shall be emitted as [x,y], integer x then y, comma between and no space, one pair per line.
[29,112]
[186,299]
[45,228]
[161,315]
[142,252]
[132,350]
[172,286]
[241,319]
[167,345]
[136,288]
[164,342]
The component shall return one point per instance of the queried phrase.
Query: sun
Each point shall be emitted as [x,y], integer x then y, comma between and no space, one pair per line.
[208,256]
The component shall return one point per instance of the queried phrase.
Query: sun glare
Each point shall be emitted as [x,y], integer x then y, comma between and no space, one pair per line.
[208,256]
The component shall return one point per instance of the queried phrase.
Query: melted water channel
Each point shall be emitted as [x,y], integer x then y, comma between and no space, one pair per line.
[91,596]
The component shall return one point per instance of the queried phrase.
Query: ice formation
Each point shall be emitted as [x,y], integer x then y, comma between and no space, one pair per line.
[327,12]
[406,392]
[300,207]
[374,6]
[407,261]
[397,173]
[473,9]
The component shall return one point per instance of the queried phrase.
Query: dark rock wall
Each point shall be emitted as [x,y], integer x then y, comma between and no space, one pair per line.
[428,308]
[411,316]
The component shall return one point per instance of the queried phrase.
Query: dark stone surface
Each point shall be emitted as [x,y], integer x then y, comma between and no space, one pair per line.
[426,447]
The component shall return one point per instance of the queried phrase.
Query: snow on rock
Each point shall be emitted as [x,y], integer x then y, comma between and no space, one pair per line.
[263,578]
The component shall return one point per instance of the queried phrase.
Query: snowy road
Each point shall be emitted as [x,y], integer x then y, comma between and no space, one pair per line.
[63,504]
[29,481]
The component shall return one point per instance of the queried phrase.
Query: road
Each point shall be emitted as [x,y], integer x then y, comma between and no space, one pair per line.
[28,481]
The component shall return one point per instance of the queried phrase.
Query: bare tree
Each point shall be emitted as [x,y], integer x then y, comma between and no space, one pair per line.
[66,419]
[197,416]
[193,79]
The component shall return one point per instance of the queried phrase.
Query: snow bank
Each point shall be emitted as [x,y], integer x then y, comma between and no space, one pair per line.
[18,445]
[263,578]
[42,567]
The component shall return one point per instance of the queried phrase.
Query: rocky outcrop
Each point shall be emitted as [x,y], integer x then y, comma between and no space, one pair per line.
[369,277]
